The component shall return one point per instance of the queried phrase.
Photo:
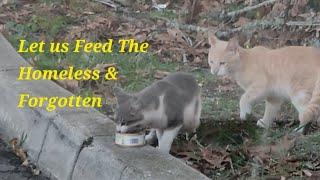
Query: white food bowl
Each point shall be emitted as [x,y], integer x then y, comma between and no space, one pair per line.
[130,140]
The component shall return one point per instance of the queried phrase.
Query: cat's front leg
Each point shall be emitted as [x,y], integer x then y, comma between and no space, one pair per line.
[273,105]
[159,133]
[167,138]
[245,105]
[150,137]
[247,99]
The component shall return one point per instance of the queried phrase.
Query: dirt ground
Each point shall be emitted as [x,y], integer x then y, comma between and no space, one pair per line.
[10,166]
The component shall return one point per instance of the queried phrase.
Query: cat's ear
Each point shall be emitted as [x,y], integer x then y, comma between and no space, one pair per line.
[233,45]
[120,94]
[212,38]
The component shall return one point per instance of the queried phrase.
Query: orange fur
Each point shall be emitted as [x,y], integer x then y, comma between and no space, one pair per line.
[274,75]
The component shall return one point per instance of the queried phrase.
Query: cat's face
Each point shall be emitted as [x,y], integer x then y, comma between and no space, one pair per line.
[128,114]
[223,56]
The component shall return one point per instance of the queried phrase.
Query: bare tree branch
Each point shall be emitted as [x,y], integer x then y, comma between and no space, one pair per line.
[250,8]
[255,25]
[109,3]
[303,23]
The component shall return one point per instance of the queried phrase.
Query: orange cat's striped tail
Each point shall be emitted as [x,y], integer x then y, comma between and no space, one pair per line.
[312,112]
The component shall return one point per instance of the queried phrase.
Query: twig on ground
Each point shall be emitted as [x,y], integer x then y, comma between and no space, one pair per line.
[303,23]
[199,144]
[232,168]
[188,27]
[250,8]
[109,3]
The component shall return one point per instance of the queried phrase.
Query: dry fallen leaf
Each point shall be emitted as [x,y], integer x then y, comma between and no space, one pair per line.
[71,85]
[217,159]
[88,13]
[160,6]
[242,21]
[188,155]
[25,163]
[160,74]
[103,68]
[35,172]
[18,151]
[307,172]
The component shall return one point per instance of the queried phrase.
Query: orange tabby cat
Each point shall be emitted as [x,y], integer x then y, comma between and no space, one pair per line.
[290,73]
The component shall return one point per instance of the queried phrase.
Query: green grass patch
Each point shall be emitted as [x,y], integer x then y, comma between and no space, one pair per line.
[168,14]
[308,147]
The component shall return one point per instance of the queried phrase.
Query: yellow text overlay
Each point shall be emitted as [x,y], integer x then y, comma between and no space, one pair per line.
[29,73]
[51,103]
[81,45]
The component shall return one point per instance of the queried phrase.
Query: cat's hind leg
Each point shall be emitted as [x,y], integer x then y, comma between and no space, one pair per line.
[312,110]
[273,106]
[301,101]
[167,138]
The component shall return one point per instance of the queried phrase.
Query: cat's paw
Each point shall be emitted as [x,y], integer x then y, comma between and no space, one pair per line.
[165,150]
[123,129]
[150,139]
[261,123]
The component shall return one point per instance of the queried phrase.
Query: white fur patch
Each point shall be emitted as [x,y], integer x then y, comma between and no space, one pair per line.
[262,124]
[166,139]
[118,127]
[191,114]
[245,110]
[213,71]
[123,129]
[157,117]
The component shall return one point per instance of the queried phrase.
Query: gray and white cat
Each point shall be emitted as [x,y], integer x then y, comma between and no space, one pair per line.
[166,106]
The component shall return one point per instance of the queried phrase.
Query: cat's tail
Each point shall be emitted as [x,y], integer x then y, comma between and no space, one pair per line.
[312,112]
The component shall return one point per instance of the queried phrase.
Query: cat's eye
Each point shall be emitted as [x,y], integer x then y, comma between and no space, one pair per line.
[222,63]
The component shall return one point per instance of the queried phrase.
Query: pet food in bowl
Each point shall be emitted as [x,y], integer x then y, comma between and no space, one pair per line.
[130,139]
